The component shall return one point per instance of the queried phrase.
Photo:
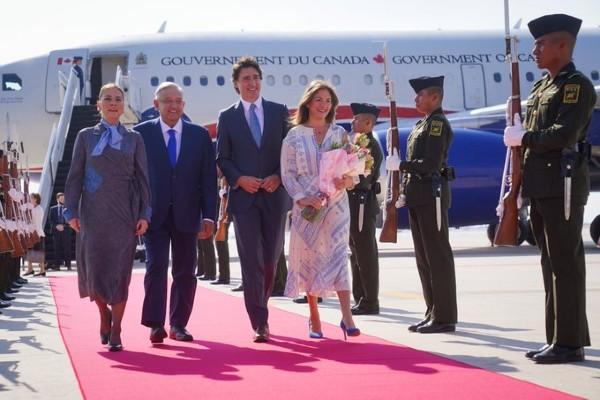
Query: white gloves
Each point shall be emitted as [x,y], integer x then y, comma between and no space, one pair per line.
[513,135]
[392,162]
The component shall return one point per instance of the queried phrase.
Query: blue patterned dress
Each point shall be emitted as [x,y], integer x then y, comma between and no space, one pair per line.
[318,261]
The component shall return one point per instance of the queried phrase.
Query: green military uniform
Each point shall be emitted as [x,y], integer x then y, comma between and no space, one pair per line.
[559,111]
[427,155]
[363,244]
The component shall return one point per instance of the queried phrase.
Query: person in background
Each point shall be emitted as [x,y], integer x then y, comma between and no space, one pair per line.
[36,254]
[61,234]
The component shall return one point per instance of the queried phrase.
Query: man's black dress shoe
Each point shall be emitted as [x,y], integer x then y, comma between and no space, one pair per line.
[5,297]
[21,281]
[11,290]
[436,327]
[115,347]
[180,334]
[157,334]
[304,300]
[557,354]
[40,274]
[261,335]
[414,327]
[207,278]
[4,304]
[532,353]
[16,285]
[239,288]
[364,311]
[220,282]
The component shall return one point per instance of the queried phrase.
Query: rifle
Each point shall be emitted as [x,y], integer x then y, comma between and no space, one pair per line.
[389,231]
[11,217]
[6,241]
[221,234]
[507,233]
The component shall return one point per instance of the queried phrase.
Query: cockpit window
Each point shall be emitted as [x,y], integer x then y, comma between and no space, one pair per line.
[11,83]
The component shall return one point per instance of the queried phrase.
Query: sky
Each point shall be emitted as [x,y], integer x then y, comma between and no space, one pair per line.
[33,27]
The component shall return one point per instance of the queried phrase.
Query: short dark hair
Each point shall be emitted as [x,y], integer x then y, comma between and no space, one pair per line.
[241,63]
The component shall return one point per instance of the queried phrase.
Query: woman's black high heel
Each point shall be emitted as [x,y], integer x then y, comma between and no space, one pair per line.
[104,337]
[349,331]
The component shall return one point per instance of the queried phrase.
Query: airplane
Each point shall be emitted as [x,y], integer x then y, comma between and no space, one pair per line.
[476,87]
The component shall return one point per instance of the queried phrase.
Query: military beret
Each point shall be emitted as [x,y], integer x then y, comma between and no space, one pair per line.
[425,82]
[364,108]
[554,23]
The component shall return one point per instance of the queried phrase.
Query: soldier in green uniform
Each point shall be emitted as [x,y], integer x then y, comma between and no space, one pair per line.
[427,194]
[363,212]
[559,111]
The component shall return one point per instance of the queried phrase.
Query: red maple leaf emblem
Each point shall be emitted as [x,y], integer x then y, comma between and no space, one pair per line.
[378,59]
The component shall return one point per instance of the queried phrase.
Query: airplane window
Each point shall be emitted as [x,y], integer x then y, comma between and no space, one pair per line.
[303,80]
[595,75]
[154,81]
[220,80]
[170,79]
[497,77]
[335,79]
[287,80]
[529,76]
[187,81]
[270,80]
[320,77]
[368,79]
[11,83]
[203,80]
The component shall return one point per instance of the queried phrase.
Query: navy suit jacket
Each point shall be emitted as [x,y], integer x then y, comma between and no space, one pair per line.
[238,154]
[190,187]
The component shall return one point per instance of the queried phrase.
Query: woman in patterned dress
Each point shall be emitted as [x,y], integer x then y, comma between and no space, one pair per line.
[318,248]
[107,199]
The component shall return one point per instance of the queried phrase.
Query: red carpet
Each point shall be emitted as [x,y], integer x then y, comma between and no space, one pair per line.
[223,363]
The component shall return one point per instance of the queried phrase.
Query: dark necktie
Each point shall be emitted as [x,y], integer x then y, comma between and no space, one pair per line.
[255,125]
[172,147]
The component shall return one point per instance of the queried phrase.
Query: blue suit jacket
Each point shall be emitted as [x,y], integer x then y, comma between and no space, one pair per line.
[190,187]
[238,154]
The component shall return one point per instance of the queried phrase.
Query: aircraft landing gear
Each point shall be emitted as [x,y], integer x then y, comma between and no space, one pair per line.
[525,233]
[595,230]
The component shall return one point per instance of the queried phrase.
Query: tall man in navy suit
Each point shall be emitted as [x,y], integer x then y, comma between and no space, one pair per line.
[249,136]
[182,170]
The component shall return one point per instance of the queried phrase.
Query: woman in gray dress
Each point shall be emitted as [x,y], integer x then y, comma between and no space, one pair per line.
[107,201]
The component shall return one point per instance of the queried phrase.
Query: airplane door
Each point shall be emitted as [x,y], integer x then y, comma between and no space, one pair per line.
[473,82]
[60,60]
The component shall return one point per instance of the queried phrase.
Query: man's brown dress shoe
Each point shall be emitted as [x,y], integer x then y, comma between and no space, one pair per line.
[261,335]
[180,334]
[157,334]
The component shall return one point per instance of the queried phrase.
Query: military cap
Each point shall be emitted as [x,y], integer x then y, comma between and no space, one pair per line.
[77,58]
[554,23]
[425,82]
[364,108]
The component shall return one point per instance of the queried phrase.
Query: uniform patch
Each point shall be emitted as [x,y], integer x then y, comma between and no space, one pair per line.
[436,128]
[571,95]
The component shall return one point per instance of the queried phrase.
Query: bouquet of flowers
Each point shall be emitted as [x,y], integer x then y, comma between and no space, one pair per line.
[350,159]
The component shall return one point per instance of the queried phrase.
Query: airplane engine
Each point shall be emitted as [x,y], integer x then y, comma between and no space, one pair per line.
[478,159]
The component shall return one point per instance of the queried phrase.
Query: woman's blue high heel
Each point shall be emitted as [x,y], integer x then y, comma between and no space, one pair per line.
[314,334]
[349,331]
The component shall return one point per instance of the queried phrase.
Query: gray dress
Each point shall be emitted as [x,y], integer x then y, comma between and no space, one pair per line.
[108,193]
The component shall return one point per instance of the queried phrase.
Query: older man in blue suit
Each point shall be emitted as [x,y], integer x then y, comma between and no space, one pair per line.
[249,137]
[182,170]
